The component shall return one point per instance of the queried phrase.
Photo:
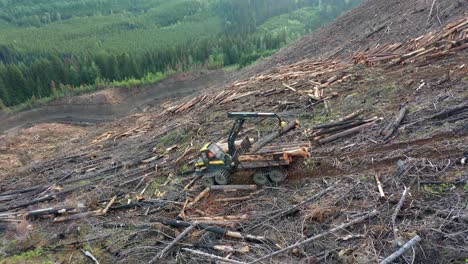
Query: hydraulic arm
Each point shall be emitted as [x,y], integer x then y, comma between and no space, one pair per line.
[236,128]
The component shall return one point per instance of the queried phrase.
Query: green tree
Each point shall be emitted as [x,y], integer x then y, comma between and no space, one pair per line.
[15,80]
[4,96]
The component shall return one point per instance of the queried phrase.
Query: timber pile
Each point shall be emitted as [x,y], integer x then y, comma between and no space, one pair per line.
[342,128]
[453,38]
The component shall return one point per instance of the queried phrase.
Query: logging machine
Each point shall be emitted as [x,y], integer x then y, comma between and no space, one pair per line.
[216,165]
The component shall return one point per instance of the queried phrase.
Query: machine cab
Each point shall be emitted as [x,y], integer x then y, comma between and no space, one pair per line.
[210,155]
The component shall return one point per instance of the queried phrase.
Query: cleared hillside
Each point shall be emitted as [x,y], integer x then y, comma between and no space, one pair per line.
[386,129]
[373,22]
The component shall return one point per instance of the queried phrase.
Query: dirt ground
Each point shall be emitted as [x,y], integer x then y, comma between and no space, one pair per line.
[137,166]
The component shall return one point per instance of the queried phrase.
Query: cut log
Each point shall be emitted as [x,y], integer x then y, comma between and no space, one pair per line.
[262,158]
[52,211]
[450,111]
[392,127]
[257,146]
[186,152]
[351,116]
[339,128]
[234,187]
[213,229]
[218,218]
[402,250]
[379,186]
[75,216]
[263,164]
[175,241]
[346,133]
[397,210]
[108,206]
[199,197]
[334,124]
[243,248]
[295,153]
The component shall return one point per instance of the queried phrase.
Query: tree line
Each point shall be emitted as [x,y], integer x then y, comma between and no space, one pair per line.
[28,75]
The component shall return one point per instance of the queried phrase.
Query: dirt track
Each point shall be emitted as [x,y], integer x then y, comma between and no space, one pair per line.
[91,109]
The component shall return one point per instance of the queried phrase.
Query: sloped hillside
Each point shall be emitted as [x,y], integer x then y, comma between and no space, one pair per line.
[386,130]
[371,23]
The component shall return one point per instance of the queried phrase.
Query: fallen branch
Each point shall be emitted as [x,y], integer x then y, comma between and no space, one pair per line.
[230,249]
[192,182]
[186,152]
[397,210]
[289,87]
[108,206]
[237,199]
[89,255]
[379,186]
[175,241]
[213,229]
[212,256]
[402,250]
[298,244]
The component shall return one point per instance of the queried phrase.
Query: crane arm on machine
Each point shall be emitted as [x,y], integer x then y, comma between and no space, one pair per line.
[236,128]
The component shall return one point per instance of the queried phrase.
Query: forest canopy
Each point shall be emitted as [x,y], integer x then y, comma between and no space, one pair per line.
[49,48]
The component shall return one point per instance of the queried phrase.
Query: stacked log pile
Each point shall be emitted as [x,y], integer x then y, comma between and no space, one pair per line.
[276,154]
[453,38]
[345,127]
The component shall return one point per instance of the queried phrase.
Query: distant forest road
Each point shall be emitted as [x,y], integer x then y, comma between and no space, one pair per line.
[90,109]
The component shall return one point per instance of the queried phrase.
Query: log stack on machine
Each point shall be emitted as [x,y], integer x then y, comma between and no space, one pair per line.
[264,160]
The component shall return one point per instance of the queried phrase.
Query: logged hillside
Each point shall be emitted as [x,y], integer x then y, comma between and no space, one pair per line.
[384,167]
[370,24]
[51,49]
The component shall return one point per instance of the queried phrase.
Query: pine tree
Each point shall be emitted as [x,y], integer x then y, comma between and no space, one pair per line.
[4,96]
[15,79]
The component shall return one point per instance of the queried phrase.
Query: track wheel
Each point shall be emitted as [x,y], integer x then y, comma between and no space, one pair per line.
[261,177]
[222,177]
[208,180]
[278,175]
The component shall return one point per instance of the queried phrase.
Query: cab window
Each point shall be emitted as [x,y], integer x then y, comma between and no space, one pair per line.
[217,151]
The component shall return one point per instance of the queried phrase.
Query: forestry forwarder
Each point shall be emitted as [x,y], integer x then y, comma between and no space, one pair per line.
[217,166]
